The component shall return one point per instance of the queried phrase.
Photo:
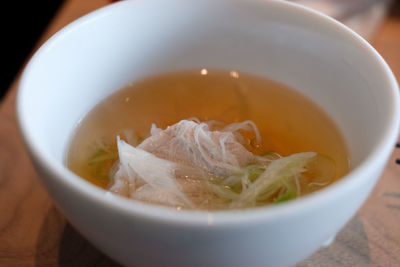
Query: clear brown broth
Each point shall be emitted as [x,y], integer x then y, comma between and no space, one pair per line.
[288,122]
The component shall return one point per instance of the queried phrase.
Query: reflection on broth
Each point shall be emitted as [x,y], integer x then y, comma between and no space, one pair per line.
[208,139]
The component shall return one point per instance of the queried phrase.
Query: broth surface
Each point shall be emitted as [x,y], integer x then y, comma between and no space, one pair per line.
[288,122]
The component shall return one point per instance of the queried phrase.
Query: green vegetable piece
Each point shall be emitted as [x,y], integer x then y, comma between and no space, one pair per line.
[103,156]
[223,191]
[254,171]
[277,173]
[291,193]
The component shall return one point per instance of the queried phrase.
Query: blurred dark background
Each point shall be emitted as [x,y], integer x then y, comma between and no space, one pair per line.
[22,24]
[395,10]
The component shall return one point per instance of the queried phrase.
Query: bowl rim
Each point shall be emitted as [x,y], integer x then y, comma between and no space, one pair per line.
[220,218]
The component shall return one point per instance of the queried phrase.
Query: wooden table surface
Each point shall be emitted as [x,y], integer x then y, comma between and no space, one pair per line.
[34,233]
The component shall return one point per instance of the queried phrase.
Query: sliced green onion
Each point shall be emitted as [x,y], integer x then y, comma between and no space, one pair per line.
[277,173]
[290,193]
[100,157]
[223,191]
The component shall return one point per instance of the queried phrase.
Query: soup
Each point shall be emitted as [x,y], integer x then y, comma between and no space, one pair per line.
[208,139]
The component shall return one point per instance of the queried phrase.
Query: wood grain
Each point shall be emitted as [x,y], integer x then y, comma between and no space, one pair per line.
[34,233]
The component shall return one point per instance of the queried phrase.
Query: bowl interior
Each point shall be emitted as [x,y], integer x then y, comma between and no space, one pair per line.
[100,53]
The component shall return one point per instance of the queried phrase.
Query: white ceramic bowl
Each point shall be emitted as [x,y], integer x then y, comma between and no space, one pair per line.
[101,52]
